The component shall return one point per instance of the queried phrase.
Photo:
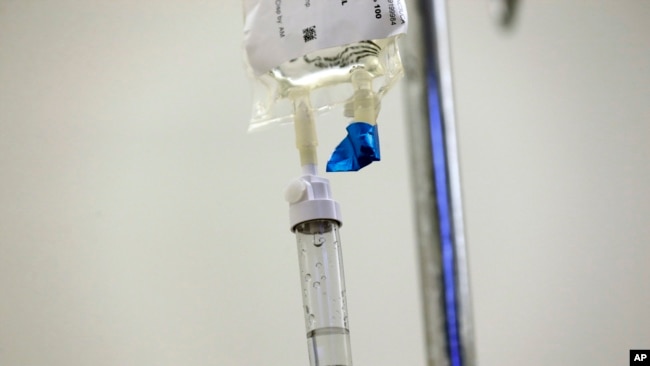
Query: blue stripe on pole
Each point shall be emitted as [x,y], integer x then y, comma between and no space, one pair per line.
[444,216]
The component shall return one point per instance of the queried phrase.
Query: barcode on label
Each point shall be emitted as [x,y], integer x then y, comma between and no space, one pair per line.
[309,33]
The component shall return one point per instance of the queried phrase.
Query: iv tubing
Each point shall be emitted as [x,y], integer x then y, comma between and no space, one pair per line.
[315,219]
[305,129]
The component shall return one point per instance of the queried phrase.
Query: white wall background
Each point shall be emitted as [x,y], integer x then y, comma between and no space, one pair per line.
[554,121]
[141,225]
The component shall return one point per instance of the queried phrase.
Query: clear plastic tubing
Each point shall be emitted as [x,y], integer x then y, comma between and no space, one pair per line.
[323,293]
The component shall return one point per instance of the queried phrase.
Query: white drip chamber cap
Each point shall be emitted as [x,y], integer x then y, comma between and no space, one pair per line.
[310,198]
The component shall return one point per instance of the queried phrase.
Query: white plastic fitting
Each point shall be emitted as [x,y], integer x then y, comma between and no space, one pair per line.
[364,104]
[310,198]
[305,128]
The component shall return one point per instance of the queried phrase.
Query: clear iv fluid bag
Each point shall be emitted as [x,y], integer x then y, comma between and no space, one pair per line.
[323,293]
[326,75]
[315,49]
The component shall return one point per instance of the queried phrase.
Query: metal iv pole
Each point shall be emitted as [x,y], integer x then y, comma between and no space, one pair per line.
[436,186]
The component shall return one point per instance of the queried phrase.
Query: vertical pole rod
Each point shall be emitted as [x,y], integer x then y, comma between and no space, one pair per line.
[436,183]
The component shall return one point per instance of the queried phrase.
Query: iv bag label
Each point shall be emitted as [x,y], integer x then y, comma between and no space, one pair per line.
[276,31]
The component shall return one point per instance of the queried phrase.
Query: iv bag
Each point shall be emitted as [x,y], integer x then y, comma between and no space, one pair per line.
[313,46]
